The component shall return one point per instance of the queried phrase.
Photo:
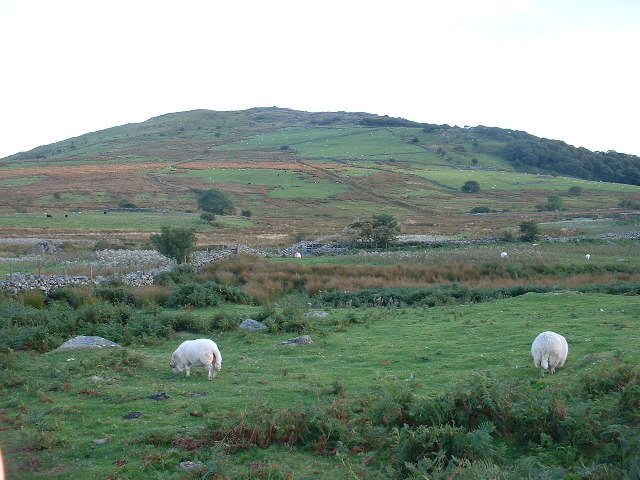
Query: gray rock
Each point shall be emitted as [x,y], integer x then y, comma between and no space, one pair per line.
[316,314]
[252,324]
[303,340]
[85,341]
[47,246]
[189,465]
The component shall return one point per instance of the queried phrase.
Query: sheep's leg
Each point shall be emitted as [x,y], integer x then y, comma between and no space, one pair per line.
[188,369]
[211,372]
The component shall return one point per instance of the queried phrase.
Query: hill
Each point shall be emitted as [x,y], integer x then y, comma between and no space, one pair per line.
[302,174]
[525,152]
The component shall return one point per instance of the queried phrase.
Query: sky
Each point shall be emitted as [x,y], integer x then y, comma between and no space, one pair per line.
[560,69]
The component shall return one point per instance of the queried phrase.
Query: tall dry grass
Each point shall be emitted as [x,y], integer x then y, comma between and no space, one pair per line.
[268,280]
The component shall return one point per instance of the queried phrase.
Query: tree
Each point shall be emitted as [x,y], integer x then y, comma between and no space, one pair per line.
[529,231]
[378,232]
[215,201]
[471,186]
[175,242]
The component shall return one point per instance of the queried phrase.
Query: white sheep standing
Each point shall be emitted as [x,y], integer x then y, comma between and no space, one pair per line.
[201,352]
[549,350]
[504,255]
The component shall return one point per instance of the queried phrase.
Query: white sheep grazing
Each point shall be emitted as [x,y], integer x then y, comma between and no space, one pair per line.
[549,350]
[201,352]
[504,255]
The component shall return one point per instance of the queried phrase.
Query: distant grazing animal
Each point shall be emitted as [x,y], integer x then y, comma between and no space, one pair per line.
[49,215]
[549,350]
[201,352]
[588,256]
[298,255]
[504,255]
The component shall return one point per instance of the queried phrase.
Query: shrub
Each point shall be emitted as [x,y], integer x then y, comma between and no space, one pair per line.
[208,217]
[183,273]
[471,186]
[103,312]
[290,320]
[32,298]
[231,294]
[480,210]
[126,203]
[115,294]
[195,295]
[225,322]
[72,296]
[508,236]
[151,295]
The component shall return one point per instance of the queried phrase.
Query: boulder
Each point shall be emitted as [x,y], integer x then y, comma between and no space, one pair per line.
[85,341]
[252,324]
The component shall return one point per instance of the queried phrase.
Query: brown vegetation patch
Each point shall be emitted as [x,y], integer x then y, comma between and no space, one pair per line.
[268,280]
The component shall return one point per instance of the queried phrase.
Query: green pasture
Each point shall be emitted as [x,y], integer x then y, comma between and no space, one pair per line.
[369,142]
[97,220]
[287,183]
[504,180]
[61,406]
[621,253]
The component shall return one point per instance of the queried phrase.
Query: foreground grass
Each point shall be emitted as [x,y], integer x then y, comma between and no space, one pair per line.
[55,406]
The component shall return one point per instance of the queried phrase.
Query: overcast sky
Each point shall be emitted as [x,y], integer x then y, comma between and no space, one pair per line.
[561,69]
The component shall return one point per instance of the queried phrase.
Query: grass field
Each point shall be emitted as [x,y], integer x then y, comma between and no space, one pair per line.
[92,220]
[55,410]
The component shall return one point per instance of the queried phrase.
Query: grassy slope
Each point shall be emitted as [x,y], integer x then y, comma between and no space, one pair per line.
[62,405]
[286,167]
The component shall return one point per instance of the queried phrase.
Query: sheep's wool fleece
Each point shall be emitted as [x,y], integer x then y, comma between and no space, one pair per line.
[195,352]
[549,350]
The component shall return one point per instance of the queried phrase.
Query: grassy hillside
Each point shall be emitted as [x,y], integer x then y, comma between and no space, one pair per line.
[300,175]
[346,405]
